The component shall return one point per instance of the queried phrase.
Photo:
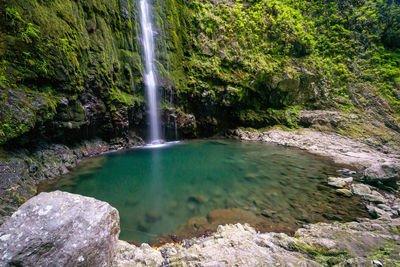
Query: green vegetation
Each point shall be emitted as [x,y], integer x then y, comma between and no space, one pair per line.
[54,51]
[253,56]
[254,63]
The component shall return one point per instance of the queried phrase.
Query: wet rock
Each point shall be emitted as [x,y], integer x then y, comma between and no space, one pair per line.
[339,182]
[386,174]
[224,216]
[183,123]
[60,229]
[344,192]
[251,177]
[142,227]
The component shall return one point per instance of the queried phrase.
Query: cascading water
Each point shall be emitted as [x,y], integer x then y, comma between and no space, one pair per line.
[149,76]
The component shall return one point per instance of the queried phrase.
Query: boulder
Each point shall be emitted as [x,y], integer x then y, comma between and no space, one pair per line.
[360,189]
[386,174]
[375,197]
[366,193]
[60,229]
[376,212]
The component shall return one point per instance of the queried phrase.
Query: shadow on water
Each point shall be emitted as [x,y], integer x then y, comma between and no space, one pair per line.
[191,188]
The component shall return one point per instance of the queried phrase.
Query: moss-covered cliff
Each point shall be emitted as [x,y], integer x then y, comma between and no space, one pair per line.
[72,69]
[68,66]
[257,63]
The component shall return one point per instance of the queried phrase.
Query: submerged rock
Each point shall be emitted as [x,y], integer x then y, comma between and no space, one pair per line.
[60,229]
[152,216]
[198,199]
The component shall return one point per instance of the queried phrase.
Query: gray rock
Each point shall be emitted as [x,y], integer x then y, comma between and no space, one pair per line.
[366,193]
[383,173]
[377,212]
[384,207]
[374,197]
[360,189]
[60,229]
[127,255]
[339,182]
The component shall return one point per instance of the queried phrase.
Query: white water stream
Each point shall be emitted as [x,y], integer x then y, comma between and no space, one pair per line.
[150,78]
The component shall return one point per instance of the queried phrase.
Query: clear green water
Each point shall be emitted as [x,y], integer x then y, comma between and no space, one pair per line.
[157,190]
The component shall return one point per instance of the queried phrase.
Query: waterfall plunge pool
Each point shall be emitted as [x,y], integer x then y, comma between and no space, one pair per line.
[188,189]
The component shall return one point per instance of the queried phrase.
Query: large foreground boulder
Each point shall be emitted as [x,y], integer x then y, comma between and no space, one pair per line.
[60,229]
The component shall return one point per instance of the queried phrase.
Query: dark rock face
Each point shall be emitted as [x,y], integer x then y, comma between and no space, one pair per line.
[60,229]
[178,124]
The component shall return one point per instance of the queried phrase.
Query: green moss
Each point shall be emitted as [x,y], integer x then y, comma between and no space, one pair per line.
[285,53]
[59,49]
[18,198]
[321,254]
[387,254]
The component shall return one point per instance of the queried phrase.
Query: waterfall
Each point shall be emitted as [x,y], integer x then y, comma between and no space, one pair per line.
[150,79]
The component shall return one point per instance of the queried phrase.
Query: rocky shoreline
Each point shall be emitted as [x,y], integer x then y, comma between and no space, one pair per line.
[362,243]
[341,149]
[60,233]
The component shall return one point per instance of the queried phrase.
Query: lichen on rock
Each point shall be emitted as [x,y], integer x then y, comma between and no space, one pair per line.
[60,229]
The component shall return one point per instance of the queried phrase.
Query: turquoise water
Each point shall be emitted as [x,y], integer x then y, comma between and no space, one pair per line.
[157,191]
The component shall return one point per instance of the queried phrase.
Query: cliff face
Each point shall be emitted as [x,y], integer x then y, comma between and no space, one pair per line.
[258,63]
[68,68]
[72,69]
